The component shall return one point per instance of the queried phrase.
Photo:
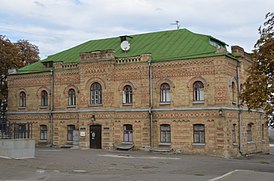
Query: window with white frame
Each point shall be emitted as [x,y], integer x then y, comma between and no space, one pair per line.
[128,133]
[22,99]
[127,95]
[96,94]
[71,97]
[43,132]
[199,133]
[165,93]
[165,136]
[198,91]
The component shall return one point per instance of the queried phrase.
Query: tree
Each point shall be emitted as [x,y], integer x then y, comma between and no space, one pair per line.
[28,52]
[13,56]
[258,90]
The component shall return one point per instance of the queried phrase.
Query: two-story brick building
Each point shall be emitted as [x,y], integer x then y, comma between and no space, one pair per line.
[171,89]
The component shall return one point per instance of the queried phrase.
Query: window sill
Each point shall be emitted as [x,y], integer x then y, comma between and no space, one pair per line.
[21,108]
[127,104]
[127,143]
[165,103]
[95,105]
[235,144]
[164,144]
[198,144]
[43,141]
[198,102]
[43,107]
[250,142]
[72,106]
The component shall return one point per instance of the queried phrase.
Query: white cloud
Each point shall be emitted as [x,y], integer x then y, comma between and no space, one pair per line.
[55,25]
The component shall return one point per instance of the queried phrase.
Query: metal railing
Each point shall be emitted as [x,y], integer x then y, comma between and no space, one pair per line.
[14,130]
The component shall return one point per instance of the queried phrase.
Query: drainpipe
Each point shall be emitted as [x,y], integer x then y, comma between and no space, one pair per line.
[51,105]
[240,108]
[150,102]
[261,132]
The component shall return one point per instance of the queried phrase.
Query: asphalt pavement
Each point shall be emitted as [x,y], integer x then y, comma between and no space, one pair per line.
[55,164]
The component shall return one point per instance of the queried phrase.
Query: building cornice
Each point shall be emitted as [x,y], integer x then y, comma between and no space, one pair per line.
[138,110]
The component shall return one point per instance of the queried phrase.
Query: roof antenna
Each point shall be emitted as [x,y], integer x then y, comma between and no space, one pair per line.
[177,23]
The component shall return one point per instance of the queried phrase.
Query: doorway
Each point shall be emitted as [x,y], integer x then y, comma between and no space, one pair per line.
[95,136]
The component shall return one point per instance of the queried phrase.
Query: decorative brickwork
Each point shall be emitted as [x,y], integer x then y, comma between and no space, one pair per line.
[217,114]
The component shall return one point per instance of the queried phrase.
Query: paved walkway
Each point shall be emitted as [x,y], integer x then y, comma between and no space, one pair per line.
[74,164]
[245,175]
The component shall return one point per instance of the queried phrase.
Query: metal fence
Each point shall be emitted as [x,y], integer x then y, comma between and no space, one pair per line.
[13,130]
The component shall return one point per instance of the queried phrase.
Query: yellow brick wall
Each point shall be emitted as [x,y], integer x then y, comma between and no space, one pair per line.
[216,73]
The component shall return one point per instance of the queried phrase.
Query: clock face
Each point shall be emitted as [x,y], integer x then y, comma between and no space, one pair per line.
[125,46]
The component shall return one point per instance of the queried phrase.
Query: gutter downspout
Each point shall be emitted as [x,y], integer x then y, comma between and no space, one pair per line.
[261,132]
[51,105]
[240,110]
[150,102]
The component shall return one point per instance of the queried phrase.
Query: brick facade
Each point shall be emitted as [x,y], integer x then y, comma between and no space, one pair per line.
[218,112]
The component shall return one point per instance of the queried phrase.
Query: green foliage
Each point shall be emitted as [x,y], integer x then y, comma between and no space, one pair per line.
[13,56]
[258,90]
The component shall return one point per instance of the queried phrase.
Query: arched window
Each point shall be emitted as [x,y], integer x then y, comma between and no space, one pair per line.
[96,93]
[127,95]
[198,91]
[165,93]
[22,99]
[43,132]
[199,133]
[165,136]
[44,98]
[128,133]
[71,97]
[233,91]
[249,132]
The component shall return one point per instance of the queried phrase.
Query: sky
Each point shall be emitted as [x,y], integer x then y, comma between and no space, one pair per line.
[56,25]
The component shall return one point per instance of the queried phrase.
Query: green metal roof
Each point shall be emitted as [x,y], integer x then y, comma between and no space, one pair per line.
[163,46]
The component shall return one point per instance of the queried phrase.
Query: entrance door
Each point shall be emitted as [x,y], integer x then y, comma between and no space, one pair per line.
[95,136]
